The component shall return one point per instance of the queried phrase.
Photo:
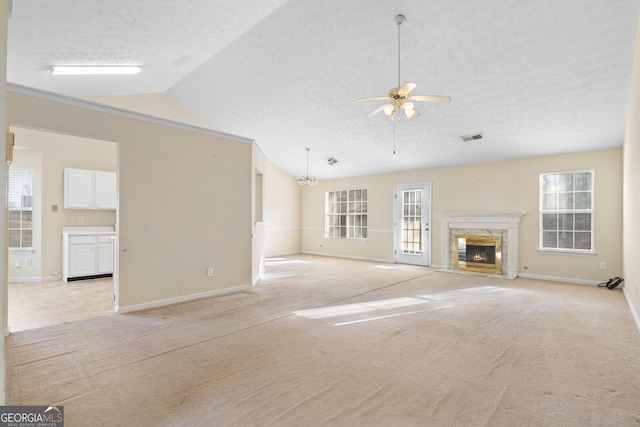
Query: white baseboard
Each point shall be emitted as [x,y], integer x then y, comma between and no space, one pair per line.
[559,279]
[176,300]
[634,315]
[350,257]
[34,279]
[277,254]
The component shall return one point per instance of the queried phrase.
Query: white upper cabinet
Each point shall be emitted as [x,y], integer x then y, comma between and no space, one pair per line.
[105,186]
[88,189]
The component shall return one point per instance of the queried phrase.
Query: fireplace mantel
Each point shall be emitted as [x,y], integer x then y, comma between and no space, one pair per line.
[509,221]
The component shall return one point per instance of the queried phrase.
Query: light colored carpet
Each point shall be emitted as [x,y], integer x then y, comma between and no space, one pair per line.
[330,342]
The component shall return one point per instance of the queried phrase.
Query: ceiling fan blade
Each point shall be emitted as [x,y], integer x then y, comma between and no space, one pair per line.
[375,98]
[376,111]
[430,98]
[406,88]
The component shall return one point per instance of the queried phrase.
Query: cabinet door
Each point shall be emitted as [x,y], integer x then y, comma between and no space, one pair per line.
[105,257]
[105,197]
[82,260]
[78,189]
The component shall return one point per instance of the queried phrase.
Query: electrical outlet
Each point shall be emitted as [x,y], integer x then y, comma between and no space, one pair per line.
[603,265]
[81,219]
[210,272]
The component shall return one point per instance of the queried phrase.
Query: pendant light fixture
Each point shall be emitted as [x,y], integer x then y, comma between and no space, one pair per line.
[307,180]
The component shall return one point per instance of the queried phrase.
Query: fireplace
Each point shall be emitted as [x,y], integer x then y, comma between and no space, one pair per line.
[482,254]
[476,224]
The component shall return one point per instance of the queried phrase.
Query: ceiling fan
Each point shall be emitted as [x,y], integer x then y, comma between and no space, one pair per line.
[400,97]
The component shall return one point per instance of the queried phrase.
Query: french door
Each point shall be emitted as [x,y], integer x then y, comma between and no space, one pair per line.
[412,219]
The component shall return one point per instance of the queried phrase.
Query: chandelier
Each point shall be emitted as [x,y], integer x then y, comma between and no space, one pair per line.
[307,180]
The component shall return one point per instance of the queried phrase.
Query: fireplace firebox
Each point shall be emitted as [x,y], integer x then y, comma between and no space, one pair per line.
[481,254]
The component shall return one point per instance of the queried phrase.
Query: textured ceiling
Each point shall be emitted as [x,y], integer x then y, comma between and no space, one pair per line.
[535,78]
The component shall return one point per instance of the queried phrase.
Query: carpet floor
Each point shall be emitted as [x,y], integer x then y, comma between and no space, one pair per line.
[334,342]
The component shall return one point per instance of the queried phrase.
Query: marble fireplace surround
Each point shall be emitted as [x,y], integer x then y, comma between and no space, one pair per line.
[481,223]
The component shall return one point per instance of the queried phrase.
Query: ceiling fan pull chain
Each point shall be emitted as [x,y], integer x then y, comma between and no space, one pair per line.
[394,137]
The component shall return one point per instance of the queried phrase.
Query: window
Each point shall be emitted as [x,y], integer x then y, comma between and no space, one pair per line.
[20,198]
[566,211]
[346,214]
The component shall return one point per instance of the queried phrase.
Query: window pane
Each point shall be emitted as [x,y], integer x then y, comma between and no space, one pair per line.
[27,221]
[565,240]
[14,219]
[14,238]
[565,201]
[583,221]
[583,240]
[26,238]
[550,183]
[549,239]
[364,233]
[565,221]
[550,221]
[550,201]
[565,182]
[584,181]
[583,200]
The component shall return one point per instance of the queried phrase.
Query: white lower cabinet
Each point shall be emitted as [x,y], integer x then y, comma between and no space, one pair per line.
[105,254]
[86,255]
[82,256]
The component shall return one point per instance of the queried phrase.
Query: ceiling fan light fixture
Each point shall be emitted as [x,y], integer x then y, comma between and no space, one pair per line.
[389,109]
[79,70]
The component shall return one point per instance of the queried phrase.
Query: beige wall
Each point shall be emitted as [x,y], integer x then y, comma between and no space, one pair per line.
[283,221]
[632,189]
[48,154]
[156,105]
[184,203]
[499,186]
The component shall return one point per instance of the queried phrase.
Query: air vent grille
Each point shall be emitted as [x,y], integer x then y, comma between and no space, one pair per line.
[473,137]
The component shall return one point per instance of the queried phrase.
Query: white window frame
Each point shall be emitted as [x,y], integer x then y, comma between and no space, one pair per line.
[348,214]
[18,203]
[562,208]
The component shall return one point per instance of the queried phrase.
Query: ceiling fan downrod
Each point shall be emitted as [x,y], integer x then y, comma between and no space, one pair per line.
[399,20]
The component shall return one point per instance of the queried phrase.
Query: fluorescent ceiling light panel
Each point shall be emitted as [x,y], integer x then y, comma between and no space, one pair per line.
[76,70]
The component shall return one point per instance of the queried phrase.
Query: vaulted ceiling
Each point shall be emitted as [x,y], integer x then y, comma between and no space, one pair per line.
[534,77]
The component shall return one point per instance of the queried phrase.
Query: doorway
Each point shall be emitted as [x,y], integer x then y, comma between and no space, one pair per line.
[412,219]
[37,294]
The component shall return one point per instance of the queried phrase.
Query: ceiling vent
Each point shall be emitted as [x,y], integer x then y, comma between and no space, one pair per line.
[473,137]
[332,161]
